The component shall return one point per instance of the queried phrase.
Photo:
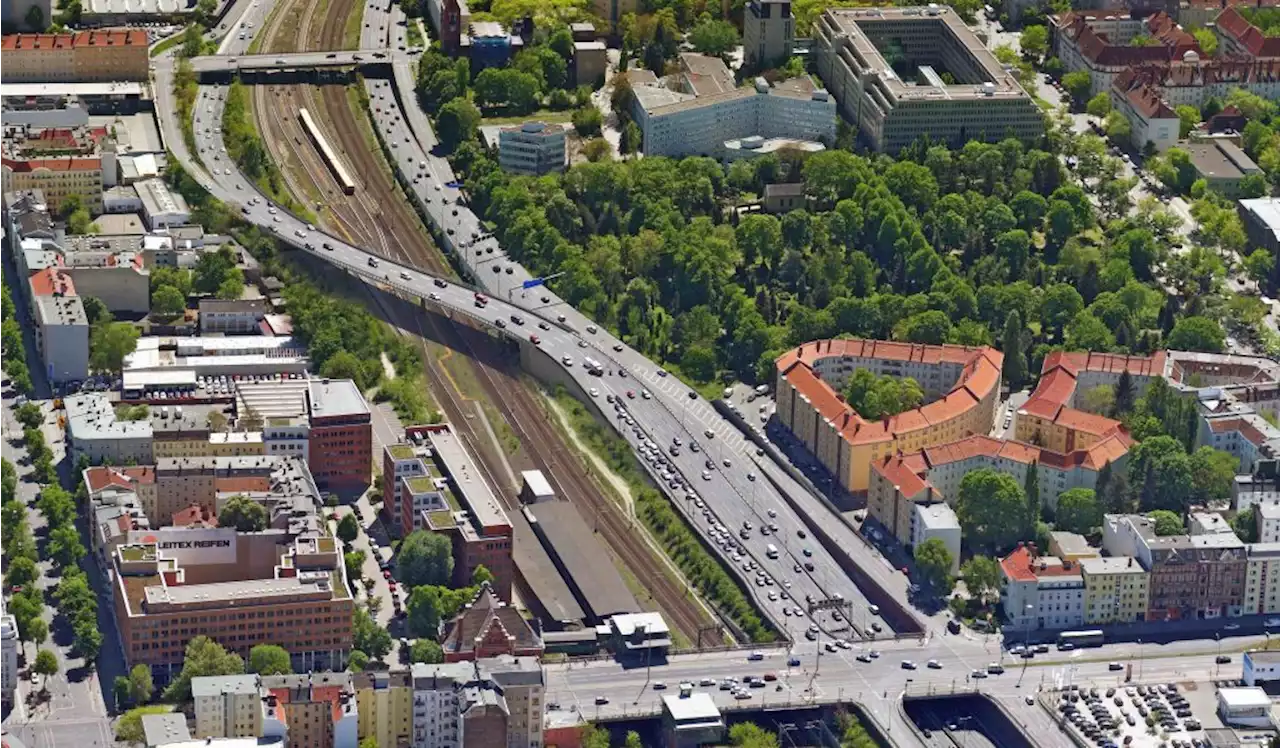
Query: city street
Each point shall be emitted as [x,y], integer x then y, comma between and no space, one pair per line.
[74,712]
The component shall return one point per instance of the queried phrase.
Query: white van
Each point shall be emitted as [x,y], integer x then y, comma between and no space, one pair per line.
[771,551]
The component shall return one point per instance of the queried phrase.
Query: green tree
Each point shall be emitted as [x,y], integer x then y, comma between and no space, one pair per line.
[167,301]
[481,576]
[425,558]
[1207,40]
[1245,525]
[1197,334]
[369,637]
[878,397]
[981,575]
[369,741]
[22,572]
[594,737]
[244,514]
[1034,41]
[357,661]
[457,122]
[991,508]
[1166,522]
[46,664]
[203,657]
[1100,105]
[348,528]
[934,562]
[30,415]
[269,659]
[1188,118]
[424,611]
[713,37]
[65,547]
[751,735]
[129,726]
[1259,264]
[1213,473]
[1078,511]
[1077,84]
[141,687]
[588,121]
[36,631]
[427,651]
[109,343]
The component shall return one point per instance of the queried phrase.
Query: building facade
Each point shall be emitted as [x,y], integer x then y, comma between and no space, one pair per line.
[1262,585]
[961,384]
[58,178]
[768,33]
[532,149]
[1115,590]
[62,327]
[340,443]
[1041,592]
[83,56]
[227,706]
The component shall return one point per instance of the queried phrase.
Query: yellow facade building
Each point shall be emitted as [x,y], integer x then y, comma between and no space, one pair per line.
[384,701]
[83,56]
[961,384]
[1116,590]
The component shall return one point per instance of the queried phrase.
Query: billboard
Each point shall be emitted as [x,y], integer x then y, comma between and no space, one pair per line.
[194,547]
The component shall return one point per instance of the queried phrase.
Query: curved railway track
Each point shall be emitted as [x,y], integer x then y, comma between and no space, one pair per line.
[379,216]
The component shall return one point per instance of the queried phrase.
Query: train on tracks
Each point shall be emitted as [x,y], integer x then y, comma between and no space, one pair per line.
[330,159]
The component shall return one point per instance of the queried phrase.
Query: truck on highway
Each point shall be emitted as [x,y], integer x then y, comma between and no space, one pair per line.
[1069,640]
[771,551]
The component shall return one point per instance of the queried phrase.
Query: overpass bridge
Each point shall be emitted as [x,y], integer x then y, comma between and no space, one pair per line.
[213,65]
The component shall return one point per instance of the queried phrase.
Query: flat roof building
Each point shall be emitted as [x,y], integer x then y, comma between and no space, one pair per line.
[1221,164]
[161,207]
[532,149]
[62,327]
[708,108]
[93,430]
[576,552]
[891,111]
[692,720]
[1261,217]
[164,597]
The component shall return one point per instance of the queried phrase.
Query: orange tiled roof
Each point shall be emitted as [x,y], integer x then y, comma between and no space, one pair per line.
[52,281]
[901,474]
[64,163]
[1021,566]
[100,38]
[981,374]
[1246,429]
[98,478]
[242,484]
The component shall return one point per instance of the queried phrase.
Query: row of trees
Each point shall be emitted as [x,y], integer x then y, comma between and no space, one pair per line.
[12,350]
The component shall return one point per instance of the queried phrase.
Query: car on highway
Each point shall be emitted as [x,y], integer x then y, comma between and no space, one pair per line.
[995,668]
[935,665]
[908,665]
[864,657]
[602,700]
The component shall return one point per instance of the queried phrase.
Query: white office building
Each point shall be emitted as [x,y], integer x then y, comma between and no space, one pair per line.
[533,149]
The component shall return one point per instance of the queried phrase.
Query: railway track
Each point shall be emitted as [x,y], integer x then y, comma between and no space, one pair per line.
[379,216]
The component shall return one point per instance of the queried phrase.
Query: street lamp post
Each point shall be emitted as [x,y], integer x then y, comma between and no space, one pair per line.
[1026,642]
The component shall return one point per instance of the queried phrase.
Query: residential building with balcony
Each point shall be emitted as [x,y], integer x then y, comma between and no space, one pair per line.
[1041,592]
[1115,590]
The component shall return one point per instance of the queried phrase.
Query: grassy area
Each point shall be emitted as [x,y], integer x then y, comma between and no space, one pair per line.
[245,147]
[413,33]
[681,543]
[185,90]
[542,115]
[351,32]
[166,45]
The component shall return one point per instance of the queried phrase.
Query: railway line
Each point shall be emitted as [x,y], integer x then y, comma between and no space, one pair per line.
[378,216]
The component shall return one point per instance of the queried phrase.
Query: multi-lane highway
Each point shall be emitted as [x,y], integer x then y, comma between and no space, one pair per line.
[715,482]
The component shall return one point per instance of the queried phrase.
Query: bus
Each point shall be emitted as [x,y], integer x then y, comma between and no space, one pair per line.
[1076,639]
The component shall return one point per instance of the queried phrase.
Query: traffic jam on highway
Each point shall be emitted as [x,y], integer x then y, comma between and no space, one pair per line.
[741,515]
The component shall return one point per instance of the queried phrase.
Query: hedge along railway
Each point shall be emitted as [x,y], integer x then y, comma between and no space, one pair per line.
[330,158]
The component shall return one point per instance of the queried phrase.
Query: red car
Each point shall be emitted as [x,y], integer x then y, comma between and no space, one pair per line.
[631,394]
[534,339]
[386,574]
[770,677]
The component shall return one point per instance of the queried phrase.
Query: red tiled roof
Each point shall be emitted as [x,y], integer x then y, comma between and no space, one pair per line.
[192,515]
[1088,423]
[898,472]
[52,281]
[98,478]
[331,695]
[981,374]
[1246,429]
[1235,25]
[63,163]
[242,484]
[100,38]
[1022,566]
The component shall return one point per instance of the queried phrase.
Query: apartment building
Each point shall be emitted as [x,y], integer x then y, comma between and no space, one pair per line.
[768,33]
[93,430]
[532,149]
[57,177]
[311,709]
[1262,583]
[61,326]
[1191,576]
[979,101]
[232,317]
[227,706]
[384,700]
[1221,164]
[1100,43]
[341,439]
[1238,37]
[118,497]
[489,702]
[83,56]
[1151,120]
[1041,592]
[487,627]
[1261,217]
[1115,590]
[961,384]
[8,656]
[1048,416]
[936,521]
[705,108]
[167,592]
[439,488]
[118,279]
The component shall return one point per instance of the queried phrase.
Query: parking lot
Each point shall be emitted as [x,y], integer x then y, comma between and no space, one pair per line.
[1139,716]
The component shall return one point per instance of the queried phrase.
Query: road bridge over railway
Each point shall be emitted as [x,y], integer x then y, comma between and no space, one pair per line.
[213,65]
